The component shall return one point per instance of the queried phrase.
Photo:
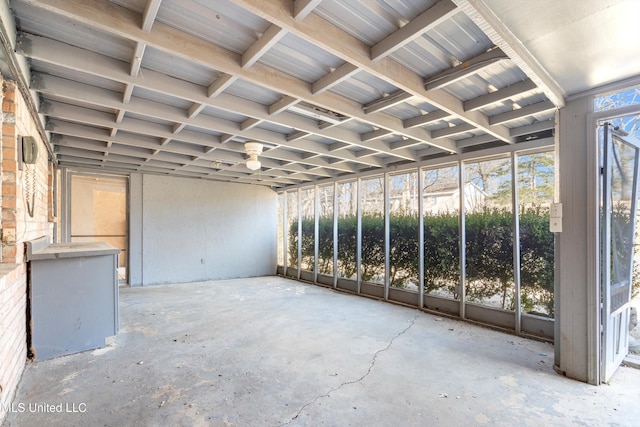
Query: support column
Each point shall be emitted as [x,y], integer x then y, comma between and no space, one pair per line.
[576,308]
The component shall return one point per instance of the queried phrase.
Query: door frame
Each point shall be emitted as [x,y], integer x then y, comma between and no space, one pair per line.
[594,291]
[66,175]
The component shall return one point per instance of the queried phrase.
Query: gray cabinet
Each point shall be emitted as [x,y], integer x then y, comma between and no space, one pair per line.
[73,296]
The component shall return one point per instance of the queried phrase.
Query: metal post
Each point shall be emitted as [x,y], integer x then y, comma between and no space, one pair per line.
[420,239]
[516,241]
[463,241]
[316,228]
[359,231]
[335,234]
[386,177]
[299,232]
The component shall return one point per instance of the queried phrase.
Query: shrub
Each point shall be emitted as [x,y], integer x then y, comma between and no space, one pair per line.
[489,253]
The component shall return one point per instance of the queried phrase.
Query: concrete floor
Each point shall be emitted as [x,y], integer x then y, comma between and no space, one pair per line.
[274,352]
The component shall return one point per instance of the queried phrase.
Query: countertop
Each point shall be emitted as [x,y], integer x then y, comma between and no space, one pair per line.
[39,250]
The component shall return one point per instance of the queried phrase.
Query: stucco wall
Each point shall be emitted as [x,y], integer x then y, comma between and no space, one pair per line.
[185,230]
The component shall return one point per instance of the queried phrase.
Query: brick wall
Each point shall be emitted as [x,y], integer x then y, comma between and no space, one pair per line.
[18,226]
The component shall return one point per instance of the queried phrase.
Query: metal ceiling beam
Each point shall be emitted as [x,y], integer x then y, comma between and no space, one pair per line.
[533,128]
[220,85]
[341,44]
[100,97]
[470,66]
[424,22]
[453,130]
[283,104]
[84,137]
[500,95]
[376,134]
[149,14]
[424,119]
[113,19]
[138,128]
[64,55]
[136,60]
[79,163]
[484,17]
[335,77]
[529,110]
[262,45]
[406,143]
[386,102]
[301,8]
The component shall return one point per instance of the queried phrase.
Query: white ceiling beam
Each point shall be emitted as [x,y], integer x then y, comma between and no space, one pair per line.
[195,109]
[424,119]
[81,60]
[340,74]
[94,139]
[500,95]
[220,84]
[475,140]
[429,151]
[117,20]
[464,70]
[452,130]
[270,37]
[120,115]
[533,128]
[150,13]
[282,104]
[376,134]
[424,22]
[529,110]
[386,102]
[302,8]
[128,91]
[405,143]
[484,17]
[296,136]
[250,123]
[140,127]
[364,153]
[341,44]
[136,61]
[224,138]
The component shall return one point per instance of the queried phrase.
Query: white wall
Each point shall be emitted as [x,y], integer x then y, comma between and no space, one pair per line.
[185,230]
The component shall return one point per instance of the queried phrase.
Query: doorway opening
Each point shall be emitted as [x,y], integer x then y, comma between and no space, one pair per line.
[98,213]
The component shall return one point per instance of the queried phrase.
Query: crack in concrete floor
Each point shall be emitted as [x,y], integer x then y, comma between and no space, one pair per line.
[365,375]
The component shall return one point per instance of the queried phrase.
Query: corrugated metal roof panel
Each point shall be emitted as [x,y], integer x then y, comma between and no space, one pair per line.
[507,105]
[371,20]
[76,76]
[175,66]
[301,59]
[72,32]
[363,88]
[252,92]
[161,98]
[274,127]
[220,22]
[166,125]
[498,75]
[302,56]
[223,114]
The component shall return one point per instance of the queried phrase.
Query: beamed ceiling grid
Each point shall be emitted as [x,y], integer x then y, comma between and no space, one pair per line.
[329,87]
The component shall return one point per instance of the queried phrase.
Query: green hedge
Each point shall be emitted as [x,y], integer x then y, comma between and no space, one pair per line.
[489,253]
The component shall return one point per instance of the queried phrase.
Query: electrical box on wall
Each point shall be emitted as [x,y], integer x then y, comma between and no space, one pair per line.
[555,222]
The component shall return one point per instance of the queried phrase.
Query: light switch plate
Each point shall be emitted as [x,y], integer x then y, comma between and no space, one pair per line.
[555,225]
[556,210]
